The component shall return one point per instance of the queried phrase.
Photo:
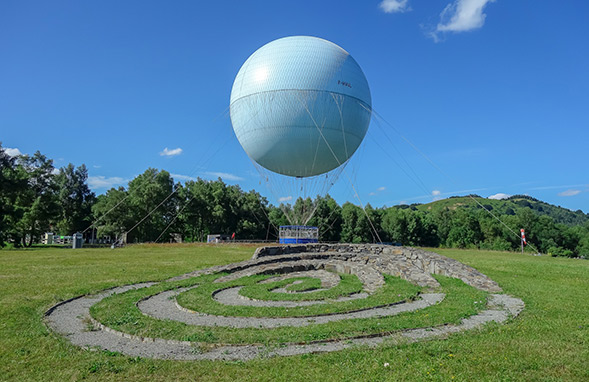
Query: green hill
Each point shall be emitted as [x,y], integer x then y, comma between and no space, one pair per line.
[508,206]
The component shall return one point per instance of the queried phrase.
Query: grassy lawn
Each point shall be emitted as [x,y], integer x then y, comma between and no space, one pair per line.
[348,284]
[549,341]
[120,312]
[200,299]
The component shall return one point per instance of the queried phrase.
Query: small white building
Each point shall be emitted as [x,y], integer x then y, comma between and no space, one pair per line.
[47,238]
[218,238]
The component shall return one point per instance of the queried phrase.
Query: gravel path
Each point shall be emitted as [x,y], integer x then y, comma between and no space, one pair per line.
[71,319]
[231,296]
[370,277]
[163,306]
[328,279]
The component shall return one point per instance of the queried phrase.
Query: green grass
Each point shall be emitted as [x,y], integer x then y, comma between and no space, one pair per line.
[120,312]
[305,285]
[548,342]
[348,285]
[559,214]
[200,299]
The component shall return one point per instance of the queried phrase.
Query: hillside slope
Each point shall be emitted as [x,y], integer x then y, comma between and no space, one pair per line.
[508,206]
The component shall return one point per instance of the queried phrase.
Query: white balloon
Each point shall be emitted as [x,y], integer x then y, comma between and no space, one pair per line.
[300,106]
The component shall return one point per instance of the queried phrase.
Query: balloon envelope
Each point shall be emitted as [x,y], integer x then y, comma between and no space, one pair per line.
[300,106]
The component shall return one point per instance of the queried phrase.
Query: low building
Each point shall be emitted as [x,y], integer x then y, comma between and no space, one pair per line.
[298,234]
[218,238]
[47,238]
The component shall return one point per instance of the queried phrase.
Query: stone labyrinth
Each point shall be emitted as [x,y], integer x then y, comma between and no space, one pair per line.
[288,300]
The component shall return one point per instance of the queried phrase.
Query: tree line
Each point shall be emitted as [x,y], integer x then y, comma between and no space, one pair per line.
[36,198]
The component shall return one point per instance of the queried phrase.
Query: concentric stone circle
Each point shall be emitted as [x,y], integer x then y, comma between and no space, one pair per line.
[299,270]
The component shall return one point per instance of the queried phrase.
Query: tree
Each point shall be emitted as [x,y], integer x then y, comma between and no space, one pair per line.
[370,224]
[327,218]
[356,227]
[35,204]
[195,210]
[251,210]
[113,213]
[495,235]
[153,204]
[409,227]
[9,189]
[430,236]
[349,222]
[583,246]
[465,231]
[277,219]
[394,225]
[75,199]
[443,221]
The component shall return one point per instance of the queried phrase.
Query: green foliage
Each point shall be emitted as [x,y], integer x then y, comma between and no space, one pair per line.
[328,218]
[74,198]
[510,206]
[8,192]
[30,199]
[151,197]
[200,299]
[210,207]
[348,285]
[409,227]
[113,213]
[34,198]
[352,230]
[461,222]
[557,251]
[465,231]
[120,312]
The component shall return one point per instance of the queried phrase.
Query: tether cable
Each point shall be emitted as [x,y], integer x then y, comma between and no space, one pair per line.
[339,163]
[431,162]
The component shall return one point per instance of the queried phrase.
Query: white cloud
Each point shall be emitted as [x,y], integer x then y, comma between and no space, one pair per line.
[12,152]
[499,196]
[168,153]
[224,176]
[569,192]
[55,171]
[436,193]
[285,199]
[556,187]
[380,189]
[96,166]
[394,6]
[183,177]
[461,16]
[103,182]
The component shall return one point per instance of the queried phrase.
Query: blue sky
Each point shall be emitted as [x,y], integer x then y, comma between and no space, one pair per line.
[493,93]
